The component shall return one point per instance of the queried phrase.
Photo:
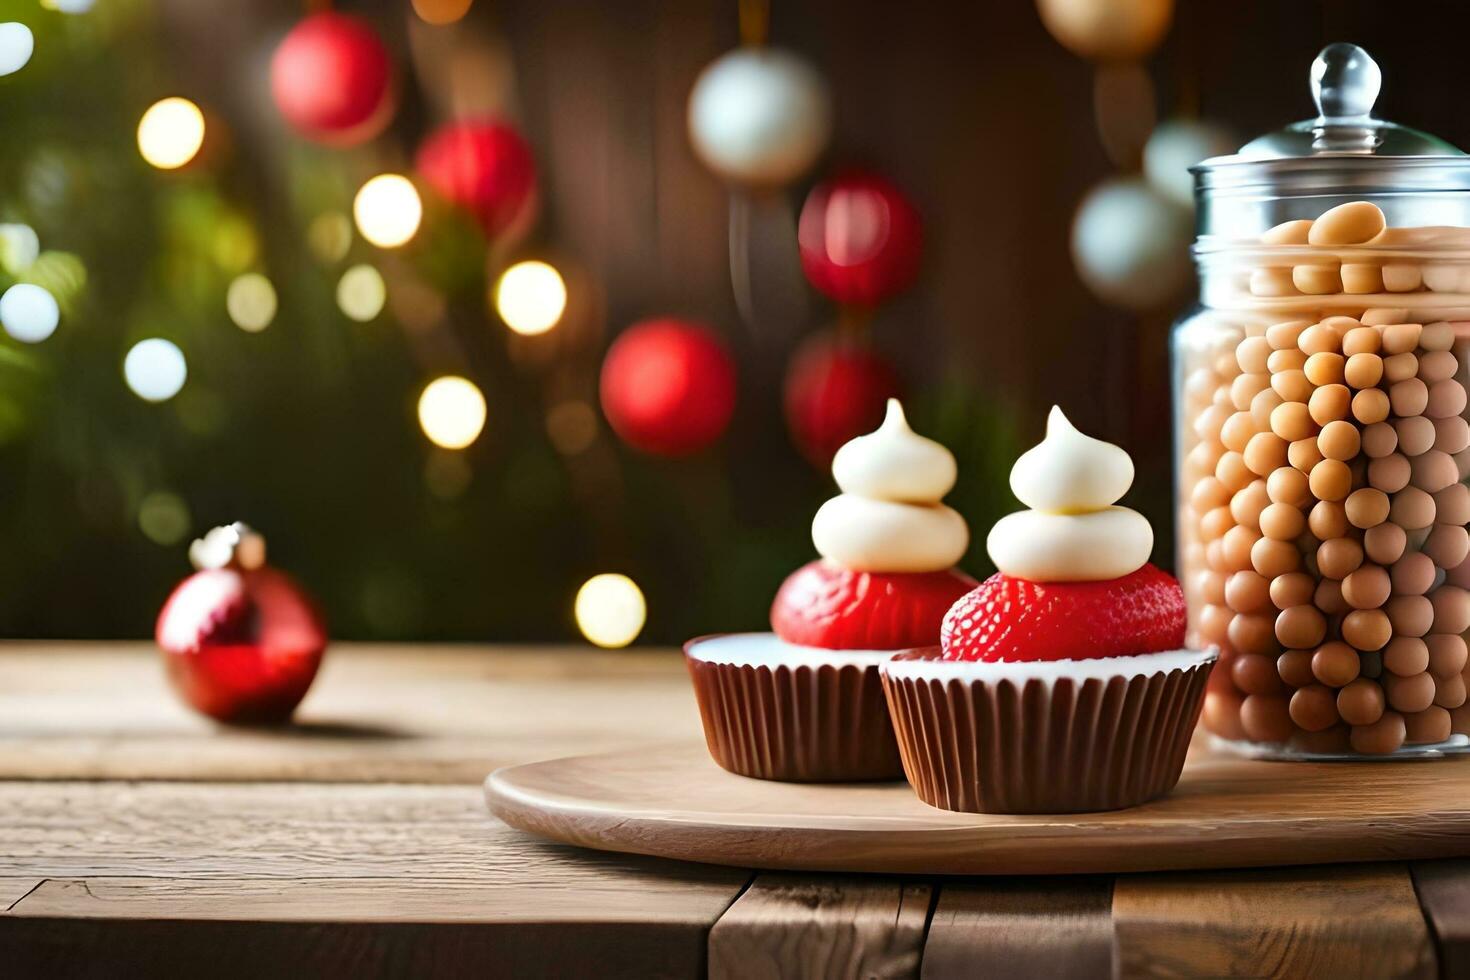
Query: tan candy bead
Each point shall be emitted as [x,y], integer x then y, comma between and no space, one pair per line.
[1362,370]
[1328,520]
[1366,588]
[1452,505]
[1390,473]
[1408,693]
[1288,233]
[1314,708]
[1415,435]
[1262,406]
[1340,325]
[1283,336]
[1366,629]
[1411,508]
[1214,624]
[1451,435]
[1221,713]
[1272,558]
[1245,387]
[1406,656]
[1292,421]
[1409,615]
[1330,480]
[1232,471]
[1203,459]
[1251,354]
[1360,702]
[1347,224]
[1247,504]
[1253,633]
[1292,589]
[1369,405]
[1286,485]
[1207,423]
[1272,282]
[1236,548]
[1292,386]
[1361,340]
[1385,543]
[1215,522]
[1237,431]
[1446,398]
[1400,367]
[1339,440]
[1427,726]
[1265,452]
[1401,338]
[1439,336]
[1360,277]
[1209,586]
[1447,654]
[1317,280]
[1449,692]
[1408,397]
[1247,591]
[1339,557]
[1379,440]
[1304,454]
[1448,545]
[1433,471]
[1329,403]
[1328,597]
[1366,508]
[1402,277]
[1300,626]
[1383,316]
[1325,368]
[1451,609]
[1319,339]
[1254,673]
[1437,365]
[1384,736]
[1413,574]
[1335,664]
[1294,667]
[1283,522]
[1265,718]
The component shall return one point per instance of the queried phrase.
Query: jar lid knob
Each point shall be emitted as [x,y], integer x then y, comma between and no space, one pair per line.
[1345,83]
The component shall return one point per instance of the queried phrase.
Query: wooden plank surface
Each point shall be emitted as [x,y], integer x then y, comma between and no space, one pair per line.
[1226,812]
[805,926]
[1057,929]
[1444,894]
[375,714]
[1342,922]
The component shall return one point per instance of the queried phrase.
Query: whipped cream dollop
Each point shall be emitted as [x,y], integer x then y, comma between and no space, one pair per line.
[1073,532]
[889,517]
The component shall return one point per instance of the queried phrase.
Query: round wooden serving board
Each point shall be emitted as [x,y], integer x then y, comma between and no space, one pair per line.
[674,802]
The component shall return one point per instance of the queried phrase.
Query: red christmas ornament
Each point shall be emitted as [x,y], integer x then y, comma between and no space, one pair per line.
[860,239]
[668,387]
[241,640]
[332,80]
[487,169]
[835,390]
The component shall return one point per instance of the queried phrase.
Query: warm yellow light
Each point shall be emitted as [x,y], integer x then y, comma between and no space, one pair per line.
[441,11]
[251,302]
[610,610]
[330,236]
[531,297]
[452,412]
[170,133]
[361,293]
[388,210]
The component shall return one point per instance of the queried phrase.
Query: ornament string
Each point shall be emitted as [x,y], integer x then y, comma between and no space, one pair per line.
[755,21]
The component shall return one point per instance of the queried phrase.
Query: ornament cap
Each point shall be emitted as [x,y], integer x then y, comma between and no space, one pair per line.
[235,545]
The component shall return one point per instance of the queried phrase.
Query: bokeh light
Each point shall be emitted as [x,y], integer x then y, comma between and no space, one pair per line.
[69,6]
[441,11]
[610,610]
[16,45]
[171,133]
[387,210]
[251,302]
[29,313]
[531,297]
[330,236]
[19,247]
[155,369]
[163,517]
[361,293]
[452,412]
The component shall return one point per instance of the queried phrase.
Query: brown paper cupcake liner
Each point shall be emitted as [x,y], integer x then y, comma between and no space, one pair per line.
[797,715]
[976,738]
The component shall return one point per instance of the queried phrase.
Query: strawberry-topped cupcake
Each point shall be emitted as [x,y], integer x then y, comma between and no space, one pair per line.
[805,702]
[1060,683]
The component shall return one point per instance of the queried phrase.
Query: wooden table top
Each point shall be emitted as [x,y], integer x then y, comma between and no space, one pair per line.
[137,839]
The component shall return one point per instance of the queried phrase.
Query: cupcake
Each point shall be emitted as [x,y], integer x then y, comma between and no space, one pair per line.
[805,702]
[1060,683]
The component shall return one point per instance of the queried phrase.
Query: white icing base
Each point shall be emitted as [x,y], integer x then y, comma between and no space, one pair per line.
[769,650]
[1049,670]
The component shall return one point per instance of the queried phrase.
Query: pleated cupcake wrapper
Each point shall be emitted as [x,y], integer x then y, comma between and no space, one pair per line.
[797,723]
[1043,745]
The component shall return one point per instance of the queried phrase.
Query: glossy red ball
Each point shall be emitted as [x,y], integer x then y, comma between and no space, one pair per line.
[332,80]
[241,646]
[486,168]
[835,390]
[668,387]
[860,239]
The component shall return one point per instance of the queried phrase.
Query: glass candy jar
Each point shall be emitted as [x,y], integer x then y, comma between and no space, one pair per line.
[1321,434]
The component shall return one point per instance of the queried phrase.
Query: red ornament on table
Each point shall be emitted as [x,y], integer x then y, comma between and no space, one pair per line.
[332,80]
[836,390]
[860,239]
[241,640]
[486,168]
[668,387]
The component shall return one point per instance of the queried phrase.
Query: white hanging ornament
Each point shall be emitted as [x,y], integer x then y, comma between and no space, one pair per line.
[760,116]
[1174,147]
[1107,30]
[1130,244]
[16,45]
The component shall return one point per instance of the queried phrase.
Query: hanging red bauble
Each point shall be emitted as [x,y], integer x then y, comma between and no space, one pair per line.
[487,169]
[240,639]
[668,387]
[332,79]
[860,239]
[836,389]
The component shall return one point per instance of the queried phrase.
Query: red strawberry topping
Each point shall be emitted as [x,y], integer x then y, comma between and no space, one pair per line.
[825,605]
[1012,619]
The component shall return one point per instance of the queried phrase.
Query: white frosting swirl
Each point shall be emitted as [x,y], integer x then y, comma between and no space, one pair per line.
[889,517]
[1073,533]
